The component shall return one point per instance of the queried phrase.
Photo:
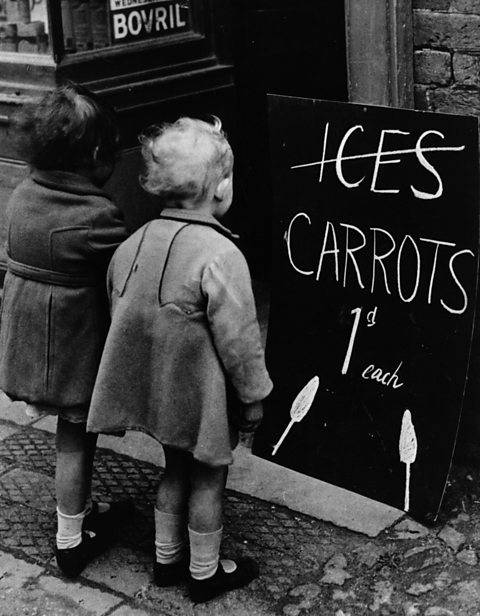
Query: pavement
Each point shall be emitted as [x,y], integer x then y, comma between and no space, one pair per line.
[368,559]
[322,551]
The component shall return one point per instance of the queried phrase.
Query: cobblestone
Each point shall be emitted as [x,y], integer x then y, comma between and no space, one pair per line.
[452,537]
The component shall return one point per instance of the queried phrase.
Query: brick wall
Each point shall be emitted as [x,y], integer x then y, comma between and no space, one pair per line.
[447,55]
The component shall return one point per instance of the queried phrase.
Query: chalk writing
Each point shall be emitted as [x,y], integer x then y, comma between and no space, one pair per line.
[408,452]
[384,378]
[357,312]
[374,289]
[388,260]
[371,316]
[300,407]
[379,155]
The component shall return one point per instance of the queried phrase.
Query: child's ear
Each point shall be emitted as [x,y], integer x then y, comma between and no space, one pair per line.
[222,189]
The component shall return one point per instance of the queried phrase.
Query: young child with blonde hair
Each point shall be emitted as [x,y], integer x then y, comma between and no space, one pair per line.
[183,359]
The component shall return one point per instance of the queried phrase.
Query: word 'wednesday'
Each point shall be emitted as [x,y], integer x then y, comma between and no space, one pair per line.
[381,157]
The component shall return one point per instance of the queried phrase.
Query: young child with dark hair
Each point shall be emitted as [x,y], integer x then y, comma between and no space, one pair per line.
[62,231]
[183,360]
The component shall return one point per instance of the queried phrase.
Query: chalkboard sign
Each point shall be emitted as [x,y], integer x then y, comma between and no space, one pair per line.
[373,296]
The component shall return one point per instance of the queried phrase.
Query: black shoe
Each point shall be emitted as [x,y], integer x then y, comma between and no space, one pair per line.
[120,511]
[204,590]
[73,561]
[170,575]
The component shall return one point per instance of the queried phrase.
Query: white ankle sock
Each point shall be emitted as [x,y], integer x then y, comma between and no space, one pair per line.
[204,553]
[169,537]
[69,529]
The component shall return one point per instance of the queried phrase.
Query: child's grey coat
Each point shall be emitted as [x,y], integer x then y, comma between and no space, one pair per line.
[183,326]
[62,231]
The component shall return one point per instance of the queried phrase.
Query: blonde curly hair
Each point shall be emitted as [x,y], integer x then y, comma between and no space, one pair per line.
[185,160]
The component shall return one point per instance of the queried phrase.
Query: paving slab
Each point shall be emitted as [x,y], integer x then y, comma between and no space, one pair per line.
[14,411]
[47,424]
[257,477]
[121,569]
[77,595]
[15,572]
[6,431]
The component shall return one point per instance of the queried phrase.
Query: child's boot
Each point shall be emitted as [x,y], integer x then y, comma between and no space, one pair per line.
[209,576]
[76,548]
[72,561]
[171,565]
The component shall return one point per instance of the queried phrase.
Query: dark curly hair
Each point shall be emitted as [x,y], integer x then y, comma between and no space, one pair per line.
[68,129]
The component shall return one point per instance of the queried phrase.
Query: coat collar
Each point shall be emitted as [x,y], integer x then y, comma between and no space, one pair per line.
[65,180]
[194,217]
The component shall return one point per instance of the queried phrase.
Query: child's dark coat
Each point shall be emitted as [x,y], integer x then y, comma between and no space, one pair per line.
[62,232]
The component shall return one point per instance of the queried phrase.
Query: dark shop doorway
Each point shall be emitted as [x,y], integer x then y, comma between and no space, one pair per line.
[289,47]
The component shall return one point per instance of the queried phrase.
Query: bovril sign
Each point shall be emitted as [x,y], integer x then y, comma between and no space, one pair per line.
[133,20]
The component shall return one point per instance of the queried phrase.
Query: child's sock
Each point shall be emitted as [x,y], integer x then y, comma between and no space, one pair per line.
[169,538]
[69,530]
[204,553]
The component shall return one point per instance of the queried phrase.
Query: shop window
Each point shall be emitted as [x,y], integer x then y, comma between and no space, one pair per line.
[88,25]
[24,26]
[138,54]
[94,24]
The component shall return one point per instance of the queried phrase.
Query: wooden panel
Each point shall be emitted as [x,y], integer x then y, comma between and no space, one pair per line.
[380,52]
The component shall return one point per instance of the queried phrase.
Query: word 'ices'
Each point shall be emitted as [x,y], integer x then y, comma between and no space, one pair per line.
[383,156]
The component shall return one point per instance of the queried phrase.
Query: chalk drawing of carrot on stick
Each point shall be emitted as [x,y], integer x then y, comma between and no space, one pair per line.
[300,407]
[408,451]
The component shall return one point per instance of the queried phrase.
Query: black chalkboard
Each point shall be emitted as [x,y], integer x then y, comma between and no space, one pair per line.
[375,235]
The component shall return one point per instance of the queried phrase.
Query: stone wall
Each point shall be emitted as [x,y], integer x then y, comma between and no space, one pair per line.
[447,55]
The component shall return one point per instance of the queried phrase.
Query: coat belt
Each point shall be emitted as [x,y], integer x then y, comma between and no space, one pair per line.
[62,279]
